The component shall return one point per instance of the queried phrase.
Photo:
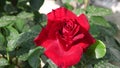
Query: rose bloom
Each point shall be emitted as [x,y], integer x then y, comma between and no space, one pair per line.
[65,37]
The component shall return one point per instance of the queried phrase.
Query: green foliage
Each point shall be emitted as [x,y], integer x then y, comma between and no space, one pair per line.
[97,11]
[25,15]
[51,64]
[105,64]
[2,40]
[98,20]
[12,38]
[6,20]
[93,11]
[34,59]
[68,6]
[3,62]
[79,11]
[10,9]
[17,32]
[97,50]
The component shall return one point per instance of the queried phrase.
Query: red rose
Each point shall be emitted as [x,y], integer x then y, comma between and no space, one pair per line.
[65,37]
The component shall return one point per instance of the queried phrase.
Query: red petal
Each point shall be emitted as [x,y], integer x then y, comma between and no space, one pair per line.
[87,41]
[55,18]
[42,39]
[58,14]
[63,58]
[80,36]
[83,21]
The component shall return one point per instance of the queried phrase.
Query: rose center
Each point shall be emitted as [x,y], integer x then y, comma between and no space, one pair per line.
[69,33]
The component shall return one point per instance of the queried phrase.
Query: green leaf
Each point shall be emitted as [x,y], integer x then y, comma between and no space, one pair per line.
[36,52]
[68,6]
[6,20]
[23,57]
[97,11]
[79,11]
[13,33]
[98,50]
[25,15]
[22,4]
[94,30]
[25,37]
[34,59]
[10,9]
[36,29]
[3,62]
[5,31]
[114,54]
[36,4]
[113,49]
[25,42]
[80,1]
[67,1]
[20,24]
[105,64]
[12,38]
[2,41]
[39,17]
[26,28]
[24,21]
[99,20]
[52,65]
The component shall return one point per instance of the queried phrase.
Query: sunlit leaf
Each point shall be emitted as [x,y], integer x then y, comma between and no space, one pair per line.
[68,6]
[3,62]
[19,24]
[24,15]
[6,20]
[12,38]
[99,20]
[97,50]
[23,57]
[100,49]
[97,11]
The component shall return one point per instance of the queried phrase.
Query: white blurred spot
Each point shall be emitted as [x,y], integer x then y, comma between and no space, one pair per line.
[48,6]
